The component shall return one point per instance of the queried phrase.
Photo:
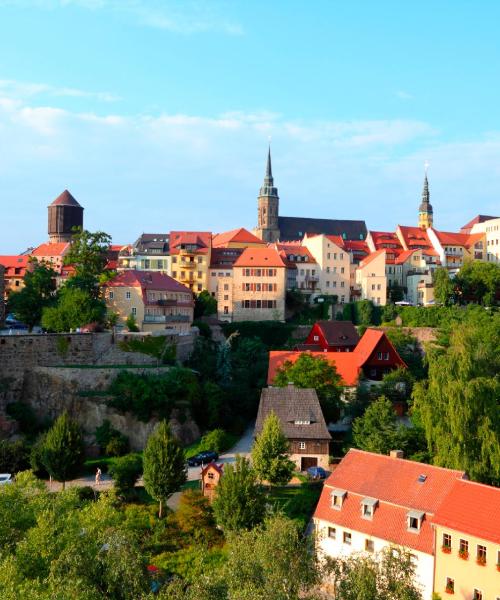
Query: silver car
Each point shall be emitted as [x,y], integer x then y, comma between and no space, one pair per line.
[5,478]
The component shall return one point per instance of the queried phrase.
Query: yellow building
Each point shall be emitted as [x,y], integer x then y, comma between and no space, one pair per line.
[190,258]
[467,542]
[256,291]
[156,301]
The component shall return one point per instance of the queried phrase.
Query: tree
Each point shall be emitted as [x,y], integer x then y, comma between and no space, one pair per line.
[271,562]
[390,576]
[313,372]
[204,305]
[443,286]
[479,282]
[164,465]
[377,430]
[125,471]
[88,255]
[195,518]
[458,405]
[239,502]
[131,323]
[38,293]
[270,453]
[74,309]
[63,449]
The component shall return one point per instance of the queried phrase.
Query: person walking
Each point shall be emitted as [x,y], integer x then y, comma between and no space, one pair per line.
[98,474]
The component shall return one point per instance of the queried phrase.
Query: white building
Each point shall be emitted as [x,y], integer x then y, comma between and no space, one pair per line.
[371,502]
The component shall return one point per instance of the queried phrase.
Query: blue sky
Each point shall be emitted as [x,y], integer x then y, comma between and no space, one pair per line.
[156,115]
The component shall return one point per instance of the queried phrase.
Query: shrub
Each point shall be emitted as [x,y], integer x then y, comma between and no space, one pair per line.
[131,323]
[118,445]
[217,440]
[14,456]
[35,457]
[125,471]
[24,415]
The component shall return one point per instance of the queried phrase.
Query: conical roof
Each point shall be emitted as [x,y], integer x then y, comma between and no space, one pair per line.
[65,199]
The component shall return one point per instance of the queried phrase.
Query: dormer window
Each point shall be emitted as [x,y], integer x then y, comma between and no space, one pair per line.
[414,520]
[338,497]
[368,506]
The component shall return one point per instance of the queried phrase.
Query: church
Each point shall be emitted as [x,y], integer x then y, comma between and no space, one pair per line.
[271,227]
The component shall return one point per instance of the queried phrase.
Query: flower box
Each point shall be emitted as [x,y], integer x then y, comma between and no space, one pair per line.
[446,549]
[498,567]
[449,590]
[481,562]
[463,554]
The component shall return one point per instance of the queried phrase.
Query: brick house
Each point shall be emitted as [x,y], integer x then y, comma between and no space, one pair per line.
[302,422]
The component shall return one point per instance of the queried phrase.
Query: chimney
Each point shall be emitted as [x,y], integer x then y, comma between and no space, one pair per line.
[396,454]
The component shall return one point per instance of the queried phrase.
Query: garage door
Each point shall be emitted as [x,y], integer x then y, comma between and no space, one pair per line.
[308,461]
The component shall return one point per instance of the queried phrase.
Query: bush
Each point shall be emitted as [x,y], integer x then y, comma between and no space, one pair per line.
[35,457]
[217,440]
[125,471]
[117,446]
[110,440]
[14,456]
[131,323]
[24,415]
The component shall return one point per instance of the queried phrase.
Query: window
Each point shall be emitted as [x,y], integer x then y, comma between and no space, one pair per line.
[200,259]
[111,295]
[341,284]
[226,287]
[226,298]
[332,532]
[478,595]
[373,286]
[174,274]
[134,310]
[226,310]
[414,518]
[369,546]
[386,355]
[327,284]
[341,269]
[316,338]
[327,269]
[302,445]
[334,284]
[368,506]
[446,541]
[338,497]
[347,538]
[481,555]
[174,259]
[127,295]
[450,585]
[200,274]
[379,355]
[214,274]
[463,549]
[199,287]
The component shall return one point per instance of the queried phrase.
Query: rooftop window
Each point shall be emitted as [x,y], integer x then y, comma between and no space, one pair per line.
[414,520]
[337,498]
[368,506]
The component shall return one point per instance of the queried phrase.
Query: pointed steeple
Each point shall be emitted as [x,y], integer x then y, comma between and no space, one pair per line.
[425,211]
[268,206]
[268,188]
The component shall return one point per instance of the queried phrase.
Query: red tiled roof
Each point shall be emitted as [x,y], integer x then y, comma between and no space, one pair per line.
[65,199]
[241,236]
[202,239]
[403,256]
[472,508]
[146,280]
[371,257]
[51,249]
[296,250]
[345,363]
[394,482]
[477,219]
[337,239]
[259,257]
[15,261]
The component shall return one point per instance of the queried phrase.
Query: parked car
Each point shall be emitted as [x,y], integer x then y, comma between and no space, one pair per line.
[5,478]
[317,473]
[203,458]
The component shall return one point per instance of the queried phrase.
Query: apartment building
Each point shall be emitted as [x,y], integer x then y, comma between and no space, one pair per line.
[190,253]
[454,249]
[302,268]
[15,267]
[491,228]
[150,252]
[256,292]
[371,278]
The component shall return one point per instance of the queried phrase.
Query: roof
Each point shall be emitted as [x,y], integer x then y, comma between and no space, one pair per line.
[51,249]
[259,257]
[346,364]
[477,219]
[472,508]
[338,332]
[150,241]
[15,261]
[146,280]
[337,239]
[240,236]
[292,404]
[201,239]
[403,256]
[292,228]
[415,237]
[394,482]
[385,237]
[213,465]
[224,258]
[371,257]
[65,199]
[295,249]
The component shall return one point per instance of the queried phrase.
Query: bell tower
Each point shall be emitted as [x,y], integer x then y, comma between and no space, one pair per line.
[425,211]
[268,207]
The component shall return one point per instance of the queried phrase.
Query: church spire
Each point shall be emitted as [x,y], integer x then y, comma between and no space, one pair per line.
[268,206]
[425,211]
[268,179]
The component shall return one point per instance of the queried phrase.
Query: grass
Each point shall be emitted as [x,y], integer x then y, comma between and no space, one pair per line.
[191,485]
[297,502]
[103,462]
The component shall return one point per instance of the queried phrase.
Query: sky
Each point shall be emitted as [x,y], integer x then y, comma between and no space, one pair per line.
[156,114]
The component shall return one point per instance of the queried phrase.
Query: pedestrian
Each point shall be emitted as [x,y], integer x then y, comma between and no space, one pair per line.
[98,476]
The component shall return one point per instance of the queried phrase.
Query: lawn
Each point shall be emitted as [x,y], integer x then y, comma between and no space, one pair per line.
[297,502]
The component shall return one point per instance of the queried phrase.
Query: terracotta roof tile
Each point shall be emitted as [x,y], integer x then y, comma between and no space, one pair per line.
[151,280]
[65,199]
[241,236]
[259,257]
[51,249]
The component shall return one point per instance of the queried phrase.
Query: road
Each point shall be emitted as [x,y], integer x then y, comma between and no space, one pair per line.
[242,447]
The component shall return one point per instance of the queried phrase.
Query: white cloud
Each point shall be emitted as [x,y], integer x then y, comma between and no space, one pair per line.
[25,90]
[177,16]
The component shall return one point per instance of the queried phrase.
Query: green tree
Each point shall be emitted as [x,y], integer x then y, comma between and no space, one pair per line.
[377,430]
[270,453]
[75,308]
[364,313]
[196,520]
[38,293]
[131,323]
[88,255]
[479,282]
[313,372]
[204,305]
[63,449]
[164,465]
[125,471]
[443,286]
[458,405]
[239,502]
[389,577]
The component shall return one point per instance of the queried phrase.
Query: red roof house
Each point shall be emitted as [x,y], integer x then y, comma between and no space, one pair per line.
[237,238]
[331,336]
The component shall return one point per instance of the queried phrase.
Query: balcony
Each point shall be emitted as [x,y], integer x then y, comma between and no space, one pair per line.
[187,265]
[162,302]
[166,319]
